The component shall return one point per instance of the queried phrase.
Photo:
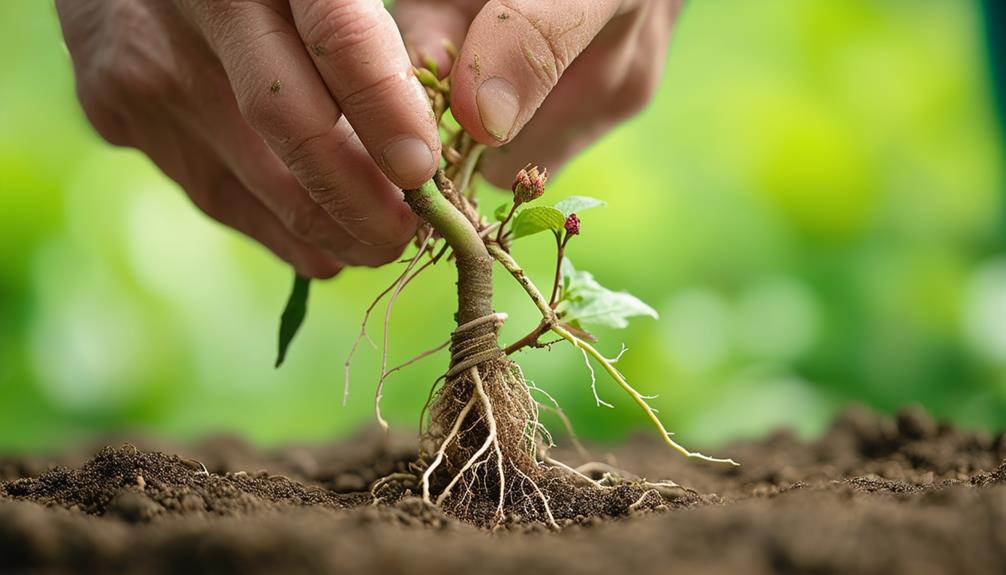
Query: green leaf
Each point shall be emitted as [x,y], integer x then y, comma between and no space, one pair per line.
[293,315]
[431,65]
[574,204]
[531,221]
[586,301]
[427,78]
[501,212]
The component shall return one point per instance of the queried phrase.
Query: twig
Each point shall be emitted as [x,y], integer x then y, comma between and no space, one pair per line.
[560,252]
[507,261]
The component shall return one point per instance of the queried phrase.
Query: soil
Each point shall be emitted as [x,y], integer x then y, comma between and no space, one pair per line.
[875,494]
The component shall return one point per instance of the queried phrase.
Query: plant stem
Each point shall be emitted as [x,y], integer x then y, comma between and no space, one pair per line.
[635,395]
[548,315]
[468,169]
[472,258]
[529,340]
[560,252]
[506,220]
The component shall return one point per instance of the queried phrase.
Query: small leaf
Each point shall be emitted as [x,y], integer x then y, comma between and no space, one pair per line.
[531,221]
[427,78]
[586,301]
[431,65]
[293,315]
[578,204]
[501,212]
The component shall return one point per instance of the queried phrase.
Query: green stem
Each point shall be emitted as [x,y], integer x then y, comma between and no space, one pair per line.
[468,169]
[473,260]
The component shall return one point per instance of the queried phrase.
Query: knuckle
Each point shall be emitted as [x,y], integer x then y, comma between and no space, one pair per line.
[105,121]
[337,26]
[140,60]
[374,257]
[320,270]
[635,94]
[209,202]
[304,220]
[388,230]
[261,111]
[374,96]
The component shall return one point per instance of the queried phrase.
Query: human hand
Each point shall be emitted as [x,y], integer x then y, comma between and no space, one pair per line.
[294,121]
[517,55]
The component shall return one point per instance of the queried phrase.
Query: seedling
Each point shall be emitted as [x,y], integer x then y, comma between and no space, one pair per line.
[483,452]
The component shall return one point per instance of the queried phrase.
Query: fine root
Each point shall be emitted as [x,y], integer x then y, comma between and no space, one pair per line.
[485,454]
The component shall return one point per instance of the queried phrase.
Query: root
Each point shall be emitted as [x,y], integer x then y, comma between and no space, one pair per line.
[399,286]
[550,319]
[492,436]
[489,442]
[487,451]
[443,448]
[402,280]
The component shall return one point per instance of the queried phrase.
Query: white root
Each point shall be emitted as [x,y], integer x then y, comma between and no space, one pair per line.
[402,281]
[593,381]
[404,276]
[642,498]
[490,438]
[495,438]
[543,497]
[441,453]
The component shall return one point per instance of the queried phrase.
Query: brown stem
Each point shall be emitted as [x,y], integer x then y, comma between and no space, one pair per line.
[506,220]
[531,339]
[560,251]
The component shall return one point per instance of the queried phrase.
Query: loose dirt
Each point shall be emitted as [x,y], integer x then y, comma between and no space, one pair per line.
[875,494]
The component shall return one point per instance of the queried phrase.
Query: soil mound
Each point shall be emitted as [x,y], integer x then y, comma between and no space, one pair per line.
[875,494]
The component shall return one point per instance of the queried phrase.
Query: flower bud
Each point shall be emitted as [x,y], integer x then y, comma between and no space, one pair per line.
[529,185]
[572,225]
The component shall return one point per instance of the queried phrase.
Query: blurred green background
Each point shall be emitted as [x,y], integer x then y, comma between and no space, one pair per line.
[813,203]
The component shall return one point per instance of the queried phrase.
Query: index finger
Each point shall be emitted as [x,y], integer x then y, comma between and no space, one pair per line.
[359,52]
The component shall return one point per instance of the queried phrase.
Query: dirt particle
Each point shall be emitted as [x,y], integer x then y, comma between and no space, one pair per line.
[317,49]
[504,16]
[276,87]
[134,507]
[915,423]
[476,65]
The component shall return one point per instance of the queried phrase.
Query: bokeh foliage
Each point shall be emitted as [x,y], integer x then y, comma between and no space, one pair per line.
[812,203]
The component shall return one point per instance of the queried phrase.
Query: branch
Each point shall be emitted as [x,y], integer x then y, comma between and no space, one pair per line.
[549,316]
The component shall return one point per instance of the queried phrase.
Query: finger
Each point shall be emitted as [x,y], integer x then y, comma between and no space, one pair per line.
[429,26]
[360,54]
[514,55]
[231,204]
[277,90]
[346,170]
[211,186]
[621,70]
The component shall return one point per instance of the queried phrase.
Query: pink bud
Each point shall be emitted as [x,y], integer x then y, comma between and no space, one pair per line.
[573,225]
[529,185]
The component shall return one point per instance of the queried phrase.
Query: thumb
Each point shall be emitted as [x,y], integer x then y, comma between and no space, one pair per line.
[514,55]
[429,26]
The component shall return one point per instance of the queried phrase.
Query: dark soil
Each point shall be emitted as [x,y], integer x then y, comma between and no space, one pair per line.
[874,495]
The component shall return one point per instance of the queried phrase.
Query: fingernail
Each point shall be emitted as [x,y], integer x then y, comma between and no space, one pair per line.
[498,106]
[410,159]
